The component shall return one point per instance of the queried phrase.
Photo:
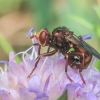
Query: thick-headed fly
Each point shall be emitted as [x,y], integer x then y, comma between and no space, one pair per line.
[62,39]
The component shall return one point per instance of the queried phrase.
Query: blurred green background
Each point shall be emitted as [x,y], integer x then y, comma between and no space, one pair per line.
[18,16]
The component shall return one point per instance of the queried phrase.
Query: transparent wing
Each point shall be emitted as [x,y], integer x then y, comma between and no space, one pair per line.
[74,39]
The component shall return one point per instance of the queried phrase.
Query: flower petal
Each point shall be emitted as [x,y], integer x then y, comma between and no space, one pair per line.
[79,93]
[45,63]
[27,69]
[25,94]
[47,73]
[22,81]
[34,84]
[88,96]
[72,90]
[15,69]
[54,91]
[59,67]
[94,80]
[63,81]
[11,56]
[12,80]
[42,96]
[5,95]
[56,58]
[46,84]
[4,82]
[98,95]
[14,94]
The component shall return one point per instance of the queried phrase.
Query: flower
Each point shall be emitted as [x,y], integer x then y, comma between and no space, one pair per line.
[48,81]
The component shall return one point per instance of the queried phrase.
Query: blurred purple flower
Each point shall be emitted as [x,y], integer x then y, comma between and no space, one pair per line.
[48,81]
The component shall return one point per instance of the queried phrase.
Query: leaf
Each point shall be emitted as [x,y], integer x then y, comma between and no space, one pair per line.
[63,96]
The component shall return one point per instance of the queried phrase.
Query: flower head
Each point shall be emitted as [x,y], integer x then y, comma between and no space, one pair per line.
[48,81]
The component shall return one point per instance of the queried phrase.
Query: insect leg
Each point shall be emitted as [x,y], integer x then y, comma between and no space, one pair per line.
[39,49]
[40,56]
[66,67]
[35,66]
[48,49]
[80,72]
[82,67]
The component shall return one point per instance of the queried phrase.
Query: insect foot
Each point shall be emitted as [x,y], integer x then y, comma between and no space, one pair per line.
[69,78]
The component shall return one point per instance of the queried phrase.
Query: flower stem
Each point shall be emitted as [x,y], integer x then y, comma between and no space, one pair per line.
[6,46]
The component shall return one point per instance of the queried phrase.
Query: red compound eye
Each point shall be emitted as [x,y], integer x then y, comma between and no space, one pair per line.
[43,37]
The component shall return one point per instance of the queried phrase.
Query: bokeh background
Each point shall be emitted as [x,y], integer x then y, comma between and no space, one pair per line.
[18,16]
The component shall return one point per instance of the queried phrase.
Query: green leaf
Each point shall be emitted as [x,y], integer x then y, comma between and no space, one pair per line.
[63,96]
[6,46]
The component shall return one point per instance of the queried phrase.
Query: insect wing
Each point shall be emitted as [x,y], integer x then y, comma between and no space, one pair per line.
[74,39]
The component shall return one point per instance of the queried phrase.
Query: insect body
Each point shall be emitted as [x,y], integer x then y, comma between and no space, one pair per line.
[63,39]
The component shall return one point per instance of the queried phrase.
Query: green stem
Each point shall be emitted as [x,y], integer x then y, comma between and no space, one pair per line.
[6,46]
